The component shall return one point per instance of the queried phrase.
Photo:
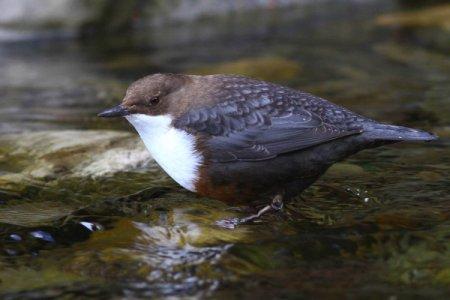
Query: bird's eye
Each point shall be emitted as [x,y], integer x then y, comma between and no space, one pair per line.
[154,100]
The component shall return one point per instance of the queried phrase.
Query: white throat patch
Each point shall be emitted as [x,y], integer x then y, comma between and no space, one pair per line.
[173,149]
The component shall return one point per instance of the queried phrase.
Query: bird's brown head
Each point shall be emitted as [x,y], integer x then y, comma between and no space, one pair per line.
[151,95]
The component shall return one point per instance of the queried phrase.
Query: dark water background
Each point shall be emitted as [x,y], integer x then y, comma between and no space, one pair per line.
[375,226]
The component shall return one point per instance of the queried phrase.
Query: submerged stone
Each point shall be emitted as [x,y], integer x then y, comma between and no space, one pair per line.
[442,132]
[35,214]
[429,176]
[22,278]
[345,170]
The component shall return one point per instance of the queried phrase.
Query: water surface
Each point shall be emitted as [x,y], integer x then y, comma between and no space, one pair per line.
[376,225]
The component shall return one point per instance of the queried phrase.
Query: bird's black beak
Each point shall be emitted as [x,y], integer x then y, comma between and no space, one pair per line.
[116,111]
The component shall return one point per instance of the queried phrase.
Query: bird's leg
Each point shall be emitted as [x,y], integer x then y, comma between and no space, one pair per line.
[275,205]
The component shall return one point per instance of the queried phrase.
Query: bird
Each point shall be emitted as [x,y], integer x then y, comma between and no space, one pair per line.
[239,139]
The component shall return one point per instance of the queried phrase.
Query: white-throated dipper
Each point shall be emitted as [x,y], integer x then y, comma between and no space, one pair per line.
[234,138]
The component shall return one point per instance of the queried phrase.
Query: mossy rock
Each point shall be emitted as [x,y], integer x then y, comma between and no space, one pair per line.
[276,69]
[25,278]
[435,16]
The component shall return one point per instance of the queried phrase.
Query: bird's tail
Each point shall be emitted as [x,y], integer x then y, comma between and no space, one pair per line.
[379,131]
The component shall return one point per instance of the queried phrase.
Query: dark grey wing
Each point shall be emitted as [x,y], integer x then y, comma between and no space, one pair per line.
[261,123]
[283,135]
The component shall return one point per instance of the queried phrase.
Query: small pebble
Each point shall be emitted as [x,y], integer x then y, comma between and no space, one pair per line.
[15,237]
[10,252]
[91,226]
[42,235]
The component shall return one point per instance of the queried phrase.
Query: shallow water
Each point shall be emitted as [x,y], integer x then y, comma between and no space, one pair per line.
[376,225]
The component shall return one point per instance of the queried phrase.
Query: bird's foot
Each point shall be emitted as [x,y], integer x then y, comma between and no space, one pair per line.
[232,223]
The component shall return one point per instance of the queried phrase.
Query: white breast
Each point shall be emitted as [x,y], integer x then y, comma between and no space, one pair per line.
[173,149]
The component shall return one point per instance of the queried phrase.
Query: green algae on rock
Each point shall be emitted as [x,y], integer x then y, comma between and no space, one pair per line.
[268,68]
[436,16]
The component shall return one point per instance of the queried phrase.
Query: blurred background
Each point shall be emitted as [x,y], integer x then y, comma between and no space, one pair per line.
[71,224]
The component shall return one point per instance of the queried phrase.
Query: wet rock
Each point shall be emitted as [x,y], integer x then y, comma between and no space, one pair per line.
[15,237]
[91,226]
[342,170]
[443,277]
[276,69]
[416,57]
[416,261]
[170,236]
[19,278]
[176,219]
[185,11]
[56,154]
[429,176]
[35,16]
[442,132]
[397,219]
[35,214]
[110,17]
[436,16]
[42,235]
[437,105]
[48,18]
[429,26]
